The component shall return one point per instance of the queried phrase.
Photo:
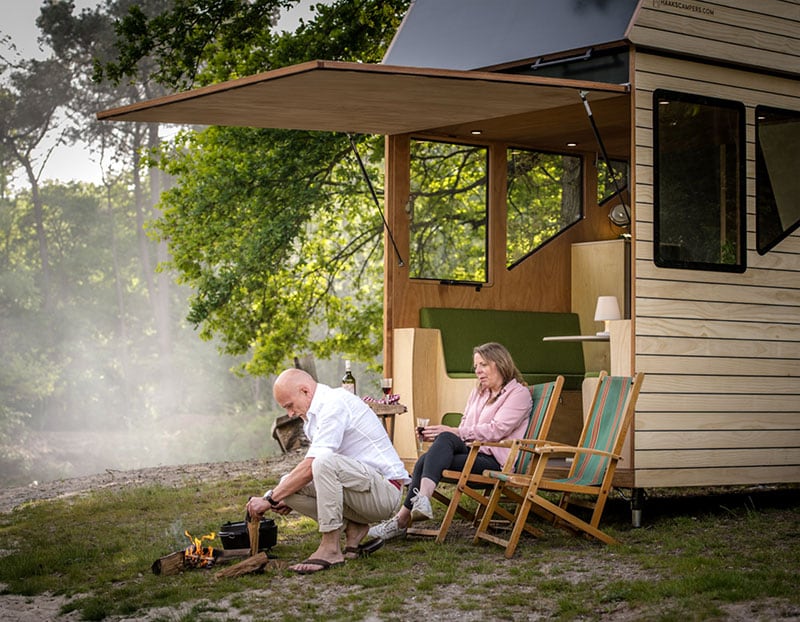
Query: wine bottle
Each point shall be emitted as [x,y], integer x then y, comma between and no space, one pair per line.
[348,381]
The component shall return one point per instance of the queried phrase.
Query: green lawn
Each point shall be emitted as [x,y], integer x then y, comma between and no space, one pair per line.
[709,554]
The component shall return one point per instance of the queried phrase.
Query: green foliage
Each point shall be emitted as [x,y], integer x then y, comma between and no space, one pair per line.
[448,211]
[268,279]
[273,230]
[544,197]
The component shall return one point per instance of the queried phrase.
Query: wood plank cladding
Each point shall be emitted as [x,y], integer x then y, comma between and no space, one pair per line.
[721,401]
[762,34]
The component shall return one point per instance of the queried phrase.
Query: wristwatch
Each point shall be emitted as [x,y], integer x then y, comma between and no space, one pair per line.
[269,499]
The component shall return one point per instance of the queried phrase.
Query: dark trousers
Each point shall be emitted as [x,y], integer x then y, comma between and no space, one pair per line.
[446,452]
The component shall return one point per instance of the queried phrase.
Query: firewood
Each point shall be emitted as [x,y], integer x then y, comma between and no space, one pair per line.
[251,565]
[169,565]
[253,525]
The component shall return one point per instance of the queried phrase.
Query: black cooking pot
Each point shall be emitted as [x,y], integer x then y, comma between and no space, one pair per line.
[236,536]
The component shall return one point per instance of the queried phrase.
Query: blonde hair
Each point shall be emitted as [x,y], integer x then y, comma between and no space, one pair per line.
[501,357]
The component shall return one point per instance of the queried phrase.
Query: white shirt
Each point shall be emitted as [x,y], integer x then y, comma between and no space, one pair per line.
[339,422]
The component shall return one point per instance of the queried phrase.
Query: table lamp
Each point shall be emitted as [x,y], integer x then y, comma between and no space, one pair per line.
[607,309]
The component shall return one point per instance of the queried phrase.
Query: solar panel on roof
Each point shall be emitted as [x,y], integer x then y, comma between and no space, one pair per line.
[477,34]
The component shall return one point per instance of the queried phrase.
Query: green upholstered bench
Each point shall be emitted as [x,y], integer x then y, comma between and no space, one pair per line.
[519,331]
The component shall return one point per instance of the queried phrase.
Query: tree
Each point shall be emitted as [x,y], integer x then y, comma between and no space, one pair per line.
[27,109]
[79,42]
[273,230]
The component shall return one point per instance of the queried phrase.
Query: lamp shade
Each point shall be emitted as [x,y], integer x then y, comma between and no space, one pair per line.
[607,309]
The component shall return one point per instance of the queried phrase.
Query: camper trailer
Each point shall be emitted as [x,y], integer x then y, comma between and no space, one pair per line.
[669,135]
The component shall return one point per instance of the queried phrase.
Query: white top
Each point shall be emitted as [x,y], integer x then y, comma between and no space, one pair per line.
[339,422]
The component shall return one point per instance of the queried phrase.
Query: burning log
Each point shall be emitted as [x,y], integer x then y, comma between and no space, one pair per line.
[197,556]
[193,556]
[174,562]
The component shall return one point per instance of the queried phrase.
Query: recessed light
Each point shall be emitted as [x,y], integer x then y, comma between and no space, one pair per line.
[476,132]
[572,144]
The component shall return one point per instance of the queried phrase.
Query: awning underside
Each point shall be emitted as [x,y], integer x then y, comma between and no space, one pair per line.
[380,99]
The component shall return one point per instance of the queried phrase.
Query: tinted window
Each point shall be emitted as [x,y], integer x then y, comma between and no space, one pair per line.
[777,175]
[699,202]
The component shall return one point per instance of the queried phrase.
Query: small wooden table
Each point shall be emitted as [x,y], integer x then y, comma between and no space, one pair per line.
[387,414]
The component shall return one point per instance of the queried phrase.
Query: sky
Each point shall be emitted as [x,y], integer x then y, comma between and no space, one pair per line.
[19,24]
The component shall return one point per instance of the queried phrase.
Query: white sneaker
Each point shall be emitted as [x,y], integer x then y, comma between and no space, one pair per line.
[387,530]
[421,508]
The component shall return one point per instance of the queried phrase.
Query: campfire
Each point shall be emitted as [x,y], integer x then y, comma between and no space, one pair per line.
[196,555]
[237,535]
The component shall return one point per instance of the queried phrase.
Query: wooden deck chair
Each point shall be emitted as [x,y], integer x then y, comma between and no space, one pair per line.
[594,462]
[545,397]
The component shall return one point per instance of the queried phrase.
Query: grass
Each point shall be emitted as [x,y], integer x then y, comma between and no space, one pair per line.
[715,555]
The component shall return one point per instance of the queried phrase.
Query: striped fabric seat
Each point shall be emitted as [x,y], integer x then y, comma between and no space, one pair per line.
[594,460]
[600,432]
[538,423]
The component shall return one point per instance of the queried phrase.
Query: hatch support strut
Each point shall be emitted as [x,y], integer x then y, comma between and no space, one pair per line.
[375,197]
[604,154]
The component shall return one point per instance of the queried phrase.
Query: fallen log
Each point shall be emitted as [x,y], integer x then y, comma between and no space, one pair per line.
[257,564]
[169,564]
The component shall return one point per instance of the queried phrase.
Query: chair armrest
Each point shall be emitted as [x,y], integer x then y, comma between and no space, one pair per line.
[566,449]
[504,443]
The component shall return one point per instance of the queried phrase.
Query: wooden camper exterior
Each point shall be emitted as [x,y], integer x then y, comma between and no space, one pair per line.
[721,403]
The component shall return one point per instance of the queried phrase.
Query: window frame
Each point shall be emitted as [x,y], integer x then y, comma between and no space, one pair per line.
[759,180]
[487,264]
[737,106]
[582,209]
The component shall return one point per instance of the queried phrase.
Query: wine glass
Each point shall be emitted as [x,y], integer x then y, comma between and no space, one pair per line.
[386,386]
[422,423]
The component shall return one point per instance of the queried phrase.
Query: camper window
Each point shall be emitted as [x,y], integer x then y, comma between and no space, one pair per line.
[608,185]
[699,175]
[544,197]
[447,212]
[777,181]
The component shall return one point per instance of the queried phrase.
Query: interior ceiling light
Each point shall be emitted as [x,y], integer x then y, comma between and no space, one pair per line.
[572,144]
[477,132]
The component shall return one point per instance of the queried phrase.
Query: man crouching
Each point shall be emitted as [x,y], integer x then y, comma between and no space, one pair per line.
[351,475]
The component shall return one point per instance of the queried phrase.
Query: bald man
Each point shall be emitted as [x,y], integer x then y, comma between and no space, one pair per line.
[351,475]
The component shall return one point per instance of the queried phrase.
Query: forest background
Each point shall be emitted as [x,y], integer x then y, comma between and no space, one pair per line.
[142,317]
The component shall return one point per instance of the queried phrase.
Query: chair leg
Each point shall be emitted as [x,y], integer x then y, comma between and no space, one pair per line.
[520,521]
[449,514]
[491,507]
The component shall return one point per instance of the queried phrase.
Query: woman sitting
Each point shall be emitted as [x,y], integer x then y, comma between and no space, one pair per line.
[497,408]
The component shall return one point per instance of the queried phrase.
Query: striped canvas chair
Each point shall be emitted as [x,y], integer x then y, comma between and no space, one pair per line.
[545,397]
[594,461]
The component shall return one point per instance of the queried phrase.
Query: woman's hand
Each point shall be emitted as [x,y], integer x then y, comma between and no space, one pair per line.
[430,432]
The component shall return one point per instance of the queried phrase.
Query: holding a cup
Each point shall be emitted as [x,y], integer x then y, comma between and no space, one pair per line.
[422,423]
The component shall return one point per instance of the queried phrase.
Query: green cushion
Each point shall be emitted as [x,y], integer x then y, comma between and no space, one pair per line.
[452,419]
[519,331]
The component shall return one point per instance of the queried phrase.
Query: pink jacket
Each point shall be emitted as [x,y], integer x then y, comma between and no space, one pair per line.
[506,418]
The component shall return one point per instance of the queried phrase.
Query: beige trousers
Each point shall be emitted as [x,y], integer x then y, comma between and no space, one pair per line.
[343,488]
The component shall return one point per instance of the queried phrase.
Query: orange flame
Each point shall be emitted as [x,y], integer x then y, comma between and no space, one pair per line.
[196,555]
